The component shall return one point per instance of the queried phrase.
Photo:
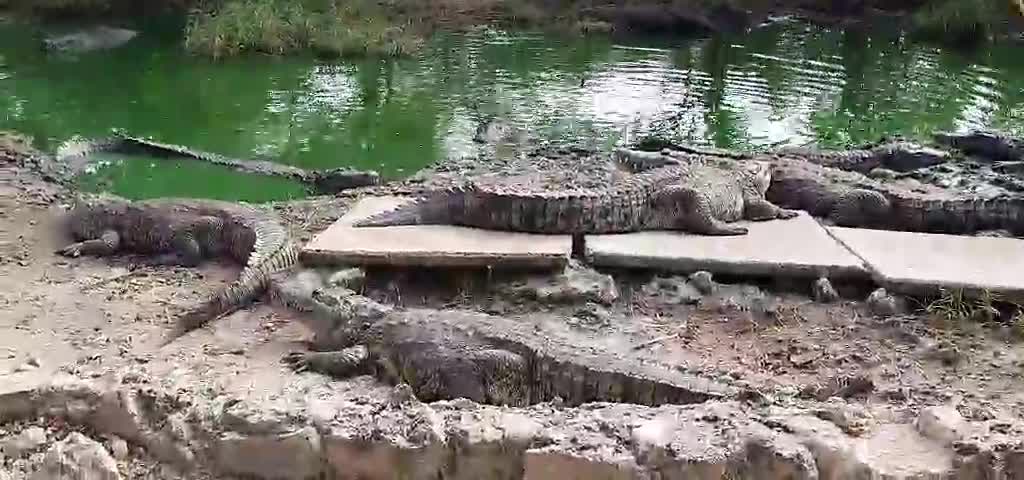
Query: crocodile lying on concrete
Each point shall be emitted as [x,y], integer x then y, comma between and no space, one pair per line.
[487,359]
[183,232]
[323,182]
[694,196]
[846,205]
[854,200]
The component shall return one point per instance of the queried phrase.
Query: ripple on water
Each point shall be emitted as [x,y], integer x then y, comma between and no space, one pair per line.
[787,82]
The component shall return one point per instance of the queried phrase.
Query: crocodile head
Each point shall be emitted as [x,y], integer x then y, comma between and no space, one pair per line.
[759,174]
[92,214]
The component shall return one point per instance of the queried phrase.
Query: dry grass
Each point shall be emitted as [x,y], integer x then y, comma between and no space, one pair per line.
[964,21]
[339,27]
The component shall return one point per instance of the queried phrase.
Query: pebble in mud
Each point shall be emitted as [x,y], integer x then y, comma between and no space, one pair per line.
[881,303]
[703,282]
[823,291]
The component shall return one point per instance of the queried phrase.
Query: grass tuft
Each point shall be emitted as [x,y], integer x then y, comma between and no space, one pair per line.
[279,27]
[963,21]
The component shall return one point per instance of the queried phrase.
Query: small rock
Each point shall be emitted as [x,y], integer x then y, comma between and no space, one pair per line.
[852,419]
[119,448]
[674,290]
[350,278]
[823,291]
[577,283]
[703,282]
[78,457]
[881,304]
[29,439]
[31,364]
[942,423]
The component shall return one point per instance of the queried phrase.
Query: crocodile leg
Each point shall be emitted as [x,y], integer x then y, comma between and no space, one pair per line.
[191,241]
[347,362]
[683,208]
[107,244]
[759,209]
[186,252]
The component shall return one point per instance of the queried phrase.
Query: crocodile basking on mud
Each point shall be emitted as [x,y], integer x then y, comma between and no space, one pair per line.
[443,355]
[898,156]
[849,198]
[184,232]
[694,196]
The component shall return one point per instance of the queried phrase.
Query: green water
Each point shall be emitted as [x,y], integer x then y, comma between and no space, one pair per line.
[783,83]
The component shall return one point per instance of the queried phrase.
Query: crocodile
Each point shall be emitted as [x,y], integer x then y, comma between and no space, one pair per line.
[991,145]
[846,205]
[443,355]
[854,200]
[185,232]
[694,196]
[899,156]
[73,156]
[896,155]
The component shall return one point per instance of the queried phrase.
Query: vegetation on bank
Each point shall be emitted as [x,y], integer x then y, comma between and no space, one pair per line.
[220,28]
[341,27]
[965,21]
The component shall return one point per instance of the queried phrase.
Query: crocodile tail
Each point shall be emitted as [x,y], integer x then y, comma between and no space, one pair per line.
[251,283]
[445,207]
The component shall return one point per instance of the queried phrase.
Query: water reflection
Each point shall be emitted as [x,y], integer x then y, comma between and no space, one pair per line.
[784,83]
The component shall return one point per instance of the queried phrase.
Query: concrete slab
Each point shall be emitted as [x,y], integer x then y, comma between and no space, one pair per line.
[919,263]
[431,245]
[798,247]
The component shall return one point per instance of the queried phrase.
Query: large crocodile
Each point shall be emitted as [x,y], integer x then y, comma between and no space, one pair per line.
[184,232]
[992,145]
[74,155]
[485,358]
[855,200]
[852,199]
[694,196]
[899,156]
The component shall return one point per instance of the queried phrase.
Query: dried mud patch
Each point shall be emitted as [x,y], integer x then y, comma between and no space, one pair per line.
[79,354]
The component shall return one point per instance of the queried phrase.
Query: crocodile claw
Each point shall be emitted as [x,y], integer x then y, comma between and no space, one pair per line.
[786,214]
[73,250]
[297,361]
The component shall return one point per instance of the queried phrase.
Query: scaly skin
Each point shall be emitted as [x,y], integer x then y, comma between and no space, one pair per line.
[74,154]
[487,359]
[694,196]
[851,199]
[896,156]
[992,145]
[184,232]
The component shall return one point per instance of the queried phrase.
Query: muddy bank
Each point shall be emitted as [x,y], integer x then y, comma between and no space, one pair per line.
[81,355]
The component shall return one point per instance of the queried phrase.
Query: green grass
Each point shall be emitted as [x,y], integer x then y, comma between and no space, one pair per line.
[956,306]
[963,21]
[280,27]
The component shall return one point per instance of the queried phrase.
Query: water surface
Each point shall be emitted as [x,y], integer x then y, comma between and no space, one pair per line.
[785,83]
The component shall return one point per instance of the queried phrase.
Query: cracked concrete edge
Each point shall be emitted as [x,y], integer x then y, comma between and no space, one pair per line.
[384,438]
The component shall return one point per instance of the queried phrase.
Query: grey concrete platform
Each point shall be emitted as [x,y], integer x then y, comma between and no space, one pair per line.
[798,247]
[430,245]
[919,263]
